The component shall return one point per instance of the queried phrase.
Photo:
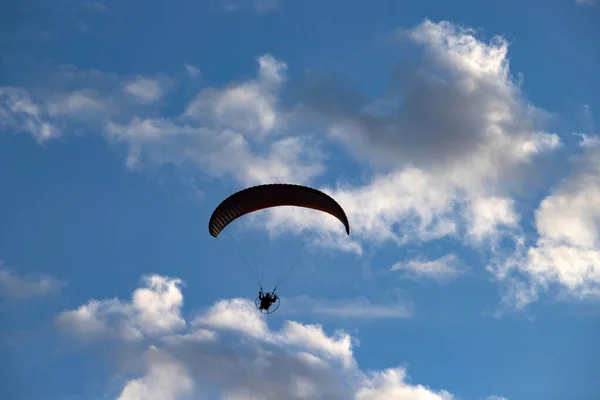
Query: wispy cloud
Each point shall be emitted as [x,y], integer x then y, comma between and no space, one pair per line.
[353,308]
[14,285]
[95,5]
[145,90]
[20,113]
[192,71]
[585,2]
[258,5]
[442,269]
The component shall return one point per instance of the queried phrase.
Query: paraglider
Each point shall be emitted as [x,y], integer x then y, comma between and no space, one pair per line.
[267,196]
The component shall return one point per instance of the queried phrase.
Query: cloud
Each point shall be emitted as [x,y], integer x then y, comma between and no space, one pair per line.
[153,311]
[233,131]
[442,269]
[240,315]
[588,140]
[216,152]
[219,129]
[448,138]
[145,90]
[258,5]
[192,71]
[298,361]
[248,107]
[452,140]
[73,100]
[77,104]
[566,254]
[19,113]
[237,315]
[456,105]
[391,384]
[166,379]
[95,5]
[355,308]
[585,2]
[496,398]
[17,286]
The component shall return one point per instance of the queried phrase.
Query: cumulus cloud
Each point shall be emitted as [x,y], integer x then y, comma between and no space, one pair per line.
[248,107]
[145,90]
[216,152]
[391,384]
[453,108]
[166,379]
[453,131]
[219,130]
[298,361]
[222,131]
[153,311]
[17,286]
[442,269]
[566,254]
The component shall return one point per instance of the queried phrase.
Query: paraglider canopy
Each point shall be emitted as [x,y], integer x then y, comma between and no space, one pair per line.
[266,196]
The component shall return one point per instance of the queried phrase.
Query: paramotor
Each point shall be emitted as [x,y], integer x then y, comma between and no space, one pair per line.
[272,195]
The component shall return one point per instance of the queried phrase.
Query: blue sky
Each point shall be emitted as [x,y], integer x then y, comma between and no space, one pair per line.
[459,138]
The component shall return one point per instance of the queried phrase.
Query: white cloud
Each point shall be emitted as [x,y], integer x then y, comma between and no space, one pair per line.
[154,311]
[237,315]
[496,398]
[448,159]
[220,130]
[258,5]
[240,315]
[313,338]
[193,72]
[391,384]
[453,141]
[249,107]
[588,140]
[442,269]
[18,286]
[95,5]
[217,152]
[145,90]
[77,104]
[585,2]
[298,361]
[567,251]
[355,308]
[19,112]
[166,379]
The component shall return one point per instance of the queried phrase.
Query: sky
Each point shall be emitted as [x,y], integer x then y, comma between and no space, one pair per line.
[459,137]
